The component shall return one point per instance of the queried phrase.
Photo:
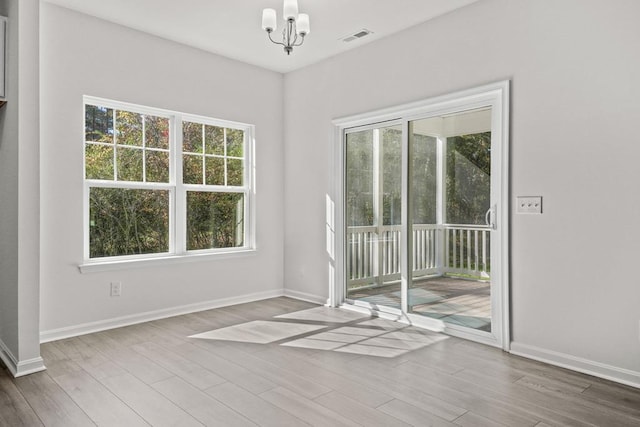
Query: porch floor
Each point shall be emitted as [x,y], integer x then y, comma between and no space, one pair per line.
[452,300]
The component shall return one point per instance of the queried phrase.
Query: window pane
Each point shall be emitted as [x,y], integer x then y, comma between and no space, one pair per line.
[191,137]
[234,172]
[99,161]
[156,132]
[214,170]
[424,189]
[359,185]
[214,220]
[129,128]
[391,148]
[98,124]
[214,140]
[192,169]
[235,141]
[129,161]
[157,167]
[468,178]
[128,222]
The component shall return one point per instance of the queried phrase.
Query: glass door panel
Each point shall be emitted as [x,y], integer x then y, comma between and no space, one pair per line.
[451,197]
[373,215]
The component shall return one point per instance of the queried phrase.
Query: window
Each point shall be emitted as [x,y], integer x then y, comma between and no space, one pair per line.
[160,183]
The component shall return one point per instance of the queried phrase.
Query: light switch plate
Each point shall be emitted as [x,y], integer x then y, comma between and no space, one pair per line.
[529,204]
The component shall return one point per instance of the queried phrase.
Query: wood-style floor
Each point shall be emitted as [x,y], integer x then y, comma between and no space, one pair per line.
[283,362]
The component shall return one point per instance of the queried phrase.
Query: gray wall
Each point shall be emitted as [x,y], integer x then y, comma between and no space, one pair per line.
[82,55]
[574,67]
[19,191]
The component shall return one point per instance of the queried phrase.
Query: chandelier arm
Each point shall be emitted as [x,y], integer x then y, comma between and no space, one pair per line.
[272,40]
[301,41]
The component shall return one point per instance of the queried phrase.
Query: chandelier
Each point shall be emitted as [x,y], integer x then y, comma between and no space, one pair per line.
[296,27]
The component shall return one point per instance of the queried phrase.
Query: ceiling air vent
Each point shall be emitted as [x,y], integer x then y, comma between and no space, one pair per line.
[357,35]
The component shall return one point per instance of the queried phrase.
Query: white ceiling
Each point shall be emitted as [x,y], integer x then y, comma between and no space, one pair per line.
[232,28]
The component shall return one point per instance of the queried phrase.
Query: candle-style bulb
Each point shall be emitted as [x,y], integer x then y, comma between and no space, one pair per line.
[290,10]
[269,20]
[302,24]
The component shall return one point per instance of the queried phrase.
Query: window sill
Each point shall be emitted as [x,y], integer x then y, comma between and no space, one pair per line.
[97,266]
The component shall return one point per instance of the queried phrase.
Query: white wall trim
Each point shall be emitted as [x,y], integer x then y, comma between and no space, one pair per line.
[117,322]
[20,368]
[303,296]
[8,358]
[165,259]
[590,367]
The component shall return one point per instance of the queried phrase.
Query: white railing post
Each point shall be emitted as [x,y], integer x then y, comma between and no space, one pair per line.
[442,250]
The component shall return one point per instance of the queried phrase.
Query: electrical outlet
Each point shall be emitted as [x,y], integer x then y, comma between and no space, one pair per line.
[529,205]
[116,289]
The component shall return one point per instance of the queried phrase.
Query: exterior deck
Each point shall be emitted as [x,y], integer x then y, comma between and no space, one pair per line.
[451,271]
[452,300]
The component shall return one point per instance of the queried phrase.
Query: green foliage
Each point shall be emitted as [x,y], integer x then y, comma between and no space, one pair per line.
[128,128]
[128,222]
[468,183]
[391,149]
[191,169]
[191,137]
[214,170]
[156,132]
[157,166]
[235,170]
[462,246]
[214,220]
[424,180]
[98,124]
[359,178]
[129,161]
[214,140]
[235,139]
[98,161]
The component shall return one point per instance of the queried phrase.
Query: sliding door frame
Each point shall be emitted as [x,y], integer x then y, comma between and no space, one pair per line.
[494,95]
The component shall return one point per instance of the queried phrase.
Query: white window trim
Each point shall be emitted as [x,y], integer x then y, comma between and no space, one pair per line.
[177,217]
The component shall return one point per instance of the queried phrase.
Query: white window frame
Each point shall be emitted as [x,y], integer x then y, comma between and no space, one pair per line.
[177,252]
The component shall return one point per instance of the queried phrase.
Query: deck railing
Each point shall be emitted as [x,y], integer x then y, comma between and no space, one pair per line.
[373,253]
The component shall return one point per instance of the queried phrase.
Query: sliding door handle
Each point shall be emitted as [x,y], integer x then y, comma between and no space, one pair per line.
[490,217]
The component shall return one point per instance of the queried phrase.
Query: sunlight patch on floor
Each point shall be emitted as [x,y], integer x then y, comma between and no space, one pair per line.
[324,314]
[259,332]
[330,329]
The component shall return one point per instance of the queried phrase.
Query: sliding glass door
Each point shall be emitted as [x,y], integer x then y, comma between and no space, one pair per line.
[425,217]
[451,193]
[373,174]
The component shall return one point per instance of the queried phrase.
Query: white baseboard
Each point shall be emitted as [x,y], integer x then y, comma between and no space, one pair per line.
[20,368]
[590,367]
[102,325]
[303,296]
